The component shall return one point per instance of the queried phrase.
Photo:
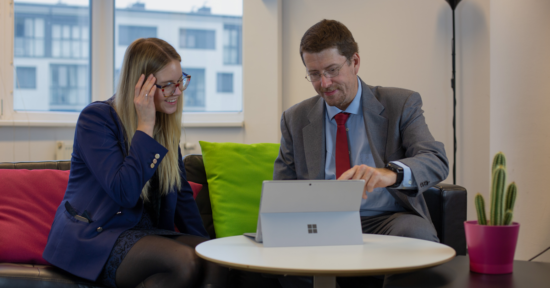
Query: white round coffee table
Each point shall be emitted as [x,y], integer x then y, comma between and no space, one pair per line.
[379,255]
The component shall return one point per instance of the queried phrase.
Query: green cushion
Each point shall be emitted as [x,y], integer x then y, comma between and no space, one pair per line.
[235,173]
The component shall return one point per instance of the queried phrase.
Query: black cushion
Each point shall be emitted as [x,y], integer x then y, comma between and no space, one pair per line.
[194,168]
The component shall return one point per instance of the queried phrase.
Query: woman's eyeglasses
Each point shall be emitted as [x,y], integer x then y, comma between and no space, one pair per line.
[170,88]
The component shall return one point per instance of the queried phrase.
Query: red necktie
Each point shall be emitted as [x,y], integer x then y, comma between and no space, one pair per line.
[342,150]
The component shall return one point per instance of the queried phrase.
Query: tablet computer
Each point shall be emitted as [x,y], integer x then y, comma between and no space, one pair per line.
[309,213]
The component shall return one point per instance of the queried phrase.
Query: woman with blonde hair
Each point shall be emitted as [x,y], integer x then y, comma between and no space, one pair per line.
[127,186]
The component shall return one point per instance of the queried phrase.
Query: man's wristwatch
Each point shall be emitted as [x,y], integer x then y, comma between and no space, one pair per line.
[399,171]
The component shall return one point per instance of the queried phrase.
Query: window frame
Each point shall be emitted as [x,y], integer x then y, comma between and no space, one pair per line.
[101,51]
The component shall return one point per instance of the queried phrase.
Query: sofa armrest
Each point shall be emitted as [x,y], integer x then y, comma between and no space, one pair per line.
[55,165]
[29,275]
[447,206]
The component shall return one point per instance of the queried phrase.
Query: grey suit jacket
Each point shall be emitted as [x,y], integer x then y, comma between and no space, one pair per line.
[396,130]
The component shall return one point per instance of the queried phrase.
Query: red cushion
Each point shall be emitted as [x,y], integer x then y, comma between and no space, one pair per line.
[196,187]
[28,202]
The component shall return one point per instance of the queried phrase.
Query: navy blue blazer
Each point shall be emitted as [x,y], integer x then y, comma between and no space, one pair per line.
[106,181]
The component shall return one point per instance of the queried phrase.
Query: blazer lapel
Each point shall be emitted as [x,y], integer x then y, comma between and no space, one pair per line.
[376,125]
[314,141]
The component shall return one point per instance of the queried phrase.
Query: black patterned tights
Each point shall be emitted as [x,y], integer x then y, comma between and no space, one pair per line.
[157,261]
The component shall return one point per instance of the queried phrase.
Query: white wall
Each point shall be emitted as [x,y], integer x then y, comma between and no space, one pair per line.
[503,63]
[473,101]
[262,70]
[520,101]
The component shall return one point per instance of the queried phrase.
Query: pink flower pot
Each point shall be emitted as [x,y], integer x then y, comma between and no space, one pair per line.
[491,248]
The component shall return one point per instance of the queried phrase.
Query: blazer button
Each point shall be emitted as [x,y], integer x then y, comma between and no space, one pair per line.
[155,161]
[152,165]
[119,212]
[99,229]
[157,156]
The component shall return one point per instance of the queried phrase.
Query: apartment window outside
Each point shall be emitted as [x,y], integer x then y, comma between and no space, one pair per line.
[197,39]
[70,40]
[195,93]
[68,86]
[51,41]
[117,78]
[196,32]
[127,34]
[29,37]
[25,78]
[225,82]
[232,45]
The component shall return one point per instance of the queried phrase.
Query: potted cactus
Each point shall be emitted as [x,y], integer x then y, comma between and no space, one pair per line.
[492,242]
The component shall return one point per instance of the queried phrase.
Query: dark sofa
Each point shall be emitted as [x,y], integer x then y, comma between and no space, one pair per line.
[447,205]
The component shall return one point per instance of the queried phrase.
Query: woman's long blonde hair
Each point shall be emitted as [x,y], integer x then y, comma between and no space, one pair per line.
[148,56]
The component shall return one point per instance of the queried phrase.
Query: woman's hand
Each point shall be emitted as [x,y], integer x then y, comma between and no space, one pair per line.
[144,100]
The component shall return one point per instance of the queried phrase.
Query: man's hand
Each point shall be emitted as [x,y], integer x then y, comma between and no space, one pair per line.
[374,177]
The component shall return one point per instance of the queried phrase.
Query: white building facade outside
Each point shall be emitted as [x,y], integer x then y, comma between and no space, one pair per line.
[51,54]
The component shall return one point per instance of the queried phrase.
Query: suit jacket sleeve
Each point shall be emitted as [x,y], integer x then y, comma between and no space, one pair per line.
[284,168]
[425,156]
[121,176]
[187,217]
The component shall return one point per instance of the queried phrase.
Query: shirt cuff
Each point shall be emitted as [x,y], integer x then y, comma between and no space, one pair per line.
[408,179]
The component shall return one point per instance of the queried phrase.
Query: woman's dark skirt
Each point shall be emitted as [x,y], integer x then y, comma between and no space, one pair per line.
[125,242]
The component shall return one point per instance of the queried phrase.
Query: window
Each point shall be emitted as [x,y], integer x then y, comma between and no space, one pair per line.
[69,40]
[195,94]
[51,56]
[29,36]
[197,39]
[225,82]
[25,78]
[117,77]
[197,34]
[37,24]
[68,87]
[127,34]
[232,51]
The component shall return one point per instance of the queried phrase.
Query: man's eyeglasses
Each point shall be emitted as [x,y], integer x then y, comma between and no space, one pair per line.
[329,73]
[170,88]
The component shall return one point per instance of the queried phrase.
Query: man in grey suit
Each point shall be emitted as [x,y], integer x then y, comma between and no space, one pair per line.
[388,142]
